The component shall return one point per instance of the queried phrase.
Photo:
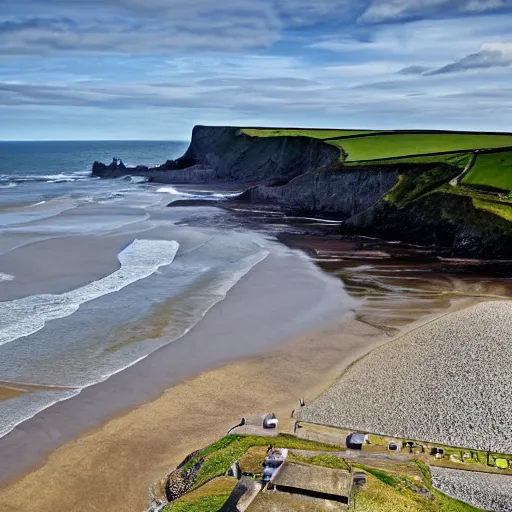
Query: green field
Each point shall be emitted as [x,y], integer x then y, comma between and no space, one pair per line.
[404,144]
[426,162]
[492,170]
[456,159]
[293,132]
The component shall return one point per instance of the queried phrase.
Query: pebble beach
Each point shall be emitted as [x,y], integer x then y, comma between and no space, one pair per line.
[482,490]
[448,382]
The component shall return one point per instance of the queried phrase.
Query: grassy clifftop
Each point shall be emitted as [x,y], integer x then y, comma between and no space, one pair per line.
[492,167]
[492,170]
[432,177]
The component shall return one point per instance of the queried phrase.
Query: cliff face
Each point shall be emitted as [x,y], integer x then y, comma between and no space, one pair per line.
[439,219]
[304,176]
[235,156]
[336,193]
[225,154]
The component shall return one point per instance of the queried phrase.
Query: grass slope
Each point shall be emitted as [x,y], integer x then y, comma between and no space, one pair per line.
[392,145]
[492,170]
[219,456]
[384,492]
[293,132]
[208,498]
[502,207]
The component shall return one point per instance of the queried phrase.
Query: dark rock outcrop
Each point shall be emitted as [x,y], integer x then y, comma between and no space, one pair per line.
[225,154]
[181,480]
[302,175]
[114,170]
[339,193]
[439,219]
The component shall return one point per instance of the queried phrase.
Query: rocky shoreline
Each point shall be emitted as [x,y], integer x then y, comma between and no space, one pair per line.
[306,176]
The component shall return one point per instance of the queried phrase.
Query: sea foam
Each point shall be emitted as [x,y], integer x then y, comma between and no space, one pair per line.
[139,260]
[199,194]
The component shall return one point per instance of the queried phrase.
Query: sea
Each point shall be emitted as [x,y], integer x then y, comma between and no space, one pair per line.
[95,275]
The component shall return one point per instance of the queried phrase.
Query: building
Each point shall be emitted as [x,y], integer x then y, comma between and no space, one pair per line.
[318,482]
[355,441]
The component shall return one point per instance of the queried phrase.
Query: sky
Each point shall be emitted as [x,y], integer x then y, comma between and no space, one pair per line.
[152,69]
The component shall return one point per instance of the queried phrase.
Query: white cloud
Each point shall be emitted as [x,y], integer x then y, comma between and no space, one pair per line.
[491,55]
[392,10]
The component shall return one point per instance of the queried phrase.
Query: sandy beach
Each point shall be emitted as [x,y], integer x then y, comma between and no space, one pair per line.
[258,314]
[284,331]
[102,449]
[112,467]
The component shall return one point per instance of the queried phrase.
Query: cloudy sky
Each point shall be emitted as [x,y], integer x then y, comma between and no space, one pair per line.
[151,69]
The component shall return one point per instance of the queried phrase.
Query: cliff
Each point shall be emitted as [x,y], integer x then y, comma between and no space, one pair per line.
[407,200]
[439,219]
[225,154]
[332,193]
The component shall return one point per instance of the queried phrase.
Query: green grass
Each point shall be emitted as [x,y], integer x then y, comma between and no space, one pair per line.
[457,159]
[252,460]
[219,456]
[491,170]
[289,132]
[483,201]
[502,210]
[384,492]
[208,498]
[204,504]
[326,461]
[384,477]
[414,184]
[403,144]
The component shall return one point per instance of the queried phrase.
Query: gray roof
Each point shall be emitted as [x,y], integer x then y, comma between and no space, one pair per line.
[356,438]
[336,482]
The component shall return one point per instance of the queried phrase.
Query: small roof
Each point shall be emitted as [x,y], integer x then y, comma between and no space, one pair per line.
[356,438]
[336,482]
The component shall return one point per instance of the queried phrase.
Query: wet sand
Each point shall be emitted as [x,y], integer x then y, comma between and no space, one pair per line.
[112,467]
[6,393]
[258,313]
[176,401]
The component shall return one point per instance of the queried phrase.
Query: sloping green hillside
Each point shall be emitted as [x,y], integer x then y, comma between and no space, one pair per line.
[295,132]
[375,147]
[426,163]
[492,170]
[456,159]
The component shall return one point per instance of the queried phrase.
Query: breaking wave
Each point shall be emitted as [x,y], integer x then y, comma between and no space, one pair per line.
[197,194]
[136,179]
[11,180]
[28,315]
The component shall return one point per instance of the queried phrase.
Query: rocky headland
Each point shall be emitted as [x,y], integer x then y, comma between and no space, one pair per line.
[308,176]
